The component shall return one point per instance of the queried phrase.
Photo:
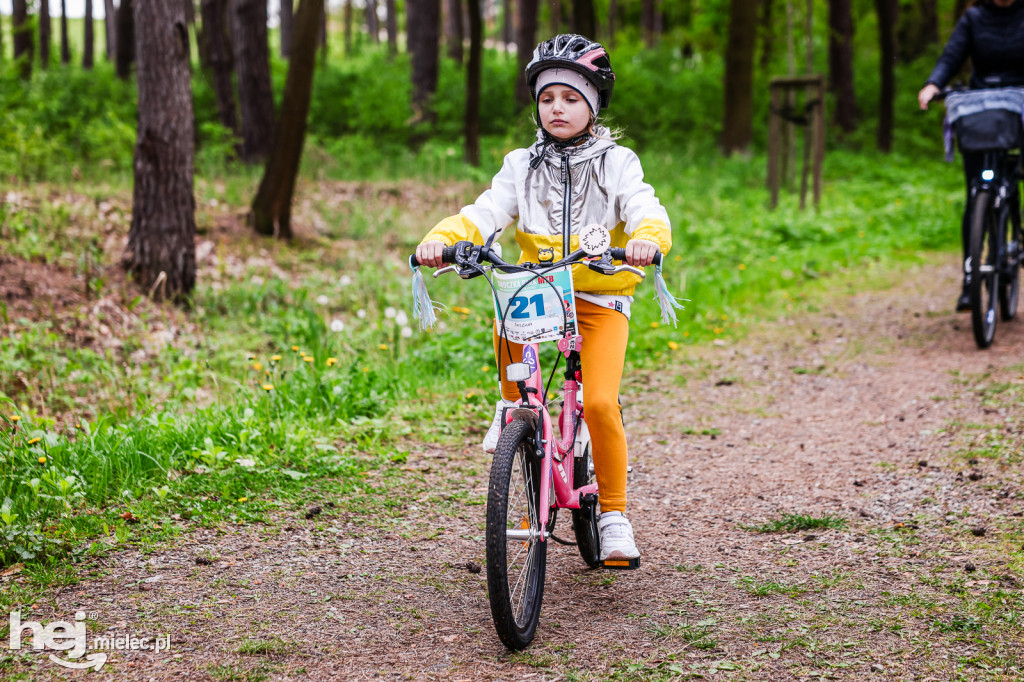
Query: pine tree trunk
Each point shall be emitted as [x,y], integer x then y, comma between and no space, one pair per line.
[473,69]
[422,27]
[526,39]
[110,28]
[287,22]
[918,29]
[24,45]
[89,40]
[767,34]
[583,18]
[507,24]
[554,16]
[454,31]
[737,127]
[613,8]
[372,24]
[647,15]
[252,65]
[347,28]
[65,50]
[887,11]
[272,206]
[391,23]
[125,38]
[215,35]
[840,63]
[161,243]
[45,34]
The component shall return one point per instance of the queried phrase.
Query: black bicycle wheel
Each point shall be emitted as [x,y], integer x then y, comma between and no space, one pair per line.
[584,519]
[984,268]
[1013,247]
[516,556]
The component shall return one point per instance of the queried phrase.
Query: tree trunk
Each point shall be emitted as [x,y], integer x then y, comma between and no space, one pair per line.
[65,50]
[110,28]
[45,34]
[887,11]
[89,41]
[476,39]
[125,38]
[347,19]
[583,18]
[161,243]
[737,128]
[391,23]
[287,21]
[273,202]
[959,8]
[554,16]
[526,39]
[767,34]
[252,64]
[324,19]
[372,25]
[613,8]
[422,27]
[453,29]
[24,45]
[840,63]
[507,23]
[918,29]
[647,18]
[214,14]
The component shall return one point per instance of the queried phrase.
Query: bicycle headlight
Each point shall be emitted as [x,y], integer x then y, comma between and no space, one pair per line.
[518,371]
[987,175]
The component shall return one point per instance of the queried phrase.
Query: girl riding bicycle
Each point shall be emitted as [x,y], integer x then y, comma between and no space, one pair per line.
[572,176]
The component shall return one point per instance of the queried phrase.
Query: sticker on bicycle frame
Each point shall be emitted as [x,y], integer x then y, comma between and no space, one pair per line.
[534,310]
[530,359]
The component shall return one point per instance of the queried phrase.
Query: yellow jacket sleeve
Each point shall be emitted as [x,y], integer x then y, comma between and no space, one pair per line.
[453,229]
[654,230]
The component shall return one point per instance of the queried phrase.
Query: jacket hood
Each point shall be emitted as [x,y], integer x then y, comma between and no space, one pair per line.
[596,145]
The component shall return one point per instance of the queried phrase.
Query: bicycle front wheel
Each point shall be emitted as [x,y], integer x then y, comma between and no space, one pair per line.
[984,268]
[516,556]
[1013,248]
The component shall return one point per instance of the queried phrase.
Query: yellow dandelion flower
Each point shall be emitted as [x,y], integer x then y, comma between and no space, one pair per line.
[266,372]
[243,499]
[257,366]
[655,325]
[774,259]
[551,396]
[673,345]
[485,368]
[725,317]
[332,361]
[295,347]
[469,396]
[718,330]
[15,418]
[686,334]
[679,258]
[42,460]
[308,358]
[34,440]
[366,370]
[383,346]
[275,358]
[742,266]
[268,387]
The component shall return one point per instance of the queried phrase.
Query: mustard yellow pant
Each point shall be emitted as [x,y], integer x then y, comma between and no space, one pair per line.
[605,333]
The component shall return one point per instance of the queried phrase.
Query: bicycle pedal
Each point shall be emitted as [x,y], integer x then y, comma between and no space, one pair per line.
[621,564]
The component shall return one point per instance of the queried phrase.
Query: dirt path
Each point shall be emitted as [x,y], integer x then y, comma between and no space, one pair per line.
[866,413]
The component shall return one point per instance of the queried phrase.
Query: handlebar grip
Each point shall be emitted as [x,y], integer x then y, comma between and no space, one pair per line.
[620,254]
[448,254]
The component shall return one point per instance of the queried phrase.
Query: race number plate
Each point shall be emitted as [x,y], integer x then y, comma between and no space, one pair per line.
[535,307]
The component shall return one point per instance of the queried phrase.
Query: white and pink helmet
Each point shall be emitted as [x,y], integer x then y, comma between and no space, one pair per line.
[570,55]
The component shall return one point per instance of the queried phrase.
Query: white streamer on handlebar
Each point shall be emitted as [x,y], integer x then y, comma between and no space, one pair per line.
[422,307]
[666,301]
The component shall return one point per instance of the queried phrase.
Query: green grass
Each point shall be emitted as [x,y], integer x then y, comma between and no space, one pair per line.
[792,523]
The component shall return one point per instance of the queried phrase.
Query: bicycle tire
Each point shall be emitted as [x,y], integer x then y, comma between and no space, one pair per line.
[1013,248]
[584,519]
[515,587]
[984,268]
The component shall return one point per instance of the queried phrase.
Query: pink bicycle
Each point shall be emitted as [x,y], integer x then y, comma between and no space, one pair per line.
[530,462]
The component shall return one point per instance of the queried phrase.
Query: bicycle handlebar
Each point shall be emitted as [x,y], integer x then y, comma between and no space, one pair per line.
[451,254]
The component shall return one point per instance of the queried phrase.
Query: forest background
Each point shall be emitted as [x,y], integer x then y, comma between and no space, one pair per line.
[126,418]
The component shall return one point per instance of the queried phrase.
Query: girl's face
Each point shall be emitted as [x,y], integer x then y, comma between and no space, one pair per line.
[563,111]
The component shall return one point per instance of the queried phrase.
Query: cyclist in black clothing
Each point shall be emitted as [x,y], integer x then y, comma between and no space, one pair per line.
[991,34]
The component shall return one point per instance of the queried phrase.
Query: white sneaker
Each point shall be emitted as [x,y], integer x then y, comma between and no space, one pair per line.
[617,538]
[494,432]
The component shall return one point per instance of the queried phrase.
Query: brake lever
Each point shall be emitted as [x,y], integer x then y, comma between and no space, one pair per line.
[450,268]
[628,268]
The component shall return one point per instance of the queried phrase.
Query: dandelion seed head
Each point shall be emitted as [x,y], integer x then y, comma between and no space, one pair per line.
[337,325]
[344,280]
[361,314]
[322,299]
[390,313]
[406,332]
[401,319]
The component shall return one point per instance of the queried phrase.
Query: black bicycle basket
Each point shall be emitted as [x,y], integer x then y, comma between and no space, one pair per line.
[989,130]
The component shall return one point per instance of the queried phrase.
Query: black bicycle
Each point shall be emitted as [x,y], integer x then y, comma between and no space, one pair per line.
[988,122]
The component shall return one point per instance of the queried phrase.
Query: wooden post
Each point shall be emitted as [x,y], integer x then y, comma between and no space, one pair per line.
[774,133]
[783,89]
[819,141]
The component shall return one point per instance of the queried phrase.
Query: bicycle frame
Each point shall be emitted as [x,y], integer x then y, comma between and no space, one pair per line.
[554,475]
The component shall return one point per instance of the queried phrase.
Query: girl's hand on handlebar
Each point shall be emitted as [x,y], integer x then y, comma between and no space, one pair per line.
[926,95]
[640,252]
[429,254]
